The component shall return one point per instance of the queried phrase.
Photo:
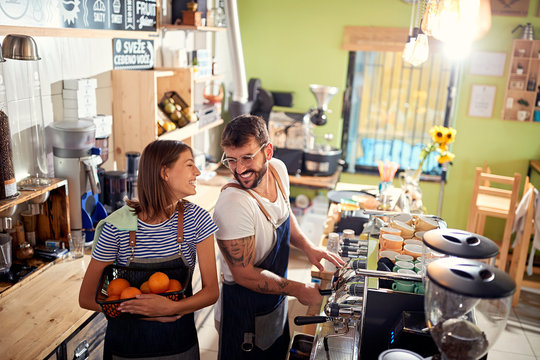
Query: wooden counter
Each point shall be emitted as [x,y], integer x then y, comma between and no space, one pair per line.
[316,182]
[39,315]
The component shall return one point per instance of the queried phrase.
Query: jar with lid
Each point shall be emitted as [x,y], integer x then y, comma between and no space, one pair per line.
[25,109]
[8,185]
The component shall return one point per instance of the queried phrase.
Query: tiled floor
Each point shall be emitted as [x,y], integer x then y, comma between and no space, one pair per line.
[519,341]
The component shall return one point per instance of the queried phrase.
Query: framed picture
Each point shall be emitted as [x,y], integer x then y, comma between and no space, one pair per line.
[482,100]
[517,85]
[510,7]
[487,63]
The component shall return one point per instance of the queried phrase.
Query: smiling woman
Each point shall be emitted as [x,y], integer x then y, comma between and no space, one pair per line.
[154,233]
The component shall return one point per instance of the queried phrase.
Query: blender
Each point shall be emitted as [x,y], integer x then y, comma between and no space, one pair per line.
[467,304]
[76,159]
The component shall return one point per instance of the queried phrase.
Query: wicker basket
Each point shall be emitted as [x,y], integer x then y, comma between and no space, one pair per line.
[135,277]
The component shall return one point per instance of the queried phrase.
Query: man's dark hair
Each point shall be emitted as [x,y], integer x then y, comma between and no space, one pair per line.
[239,131]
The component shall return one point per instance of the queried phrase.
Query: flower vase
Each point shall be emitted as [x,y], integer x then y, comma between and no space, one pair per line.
[410,184]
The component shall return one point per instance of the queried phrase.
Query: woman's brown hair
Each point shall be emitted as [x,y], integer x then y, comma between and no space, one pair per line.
[154,195]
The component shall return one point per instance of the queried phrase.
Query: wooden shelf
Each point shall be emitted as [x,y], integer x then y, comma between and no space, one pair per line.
[169,27]
[29,195]
[78,33]
[189,131]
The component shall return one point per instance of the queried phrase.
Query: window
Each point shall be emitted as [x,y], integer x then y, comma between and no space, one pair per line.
[390,107]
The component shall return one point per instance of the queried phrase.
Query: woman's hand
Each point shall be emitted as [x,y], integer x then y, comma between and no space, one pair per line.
[151,305]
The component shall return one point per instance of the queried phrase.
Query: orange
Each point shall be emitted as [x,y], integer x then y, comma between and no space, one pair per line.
[158,282]
[130,292]
[116,286]
[112,298]
[145,289]
[174,285]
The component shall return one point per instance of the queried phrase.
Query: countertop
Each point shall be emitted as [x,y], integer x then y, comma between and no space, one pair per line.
[41,311]
[40,314]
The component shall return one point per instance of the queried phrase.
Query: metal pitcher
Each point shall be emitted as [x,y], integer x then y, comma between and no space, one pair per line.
[528,31]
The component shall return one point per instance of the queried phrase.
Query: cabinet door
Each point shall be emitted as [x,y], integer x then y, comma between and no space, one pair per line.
[89,340]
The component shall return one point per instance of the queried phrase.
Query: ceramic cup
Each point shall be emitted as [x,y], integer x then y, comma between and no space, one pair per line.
[403,265]
[391,242]
[412,241]
[523,115]
[389,230]
[404,257]
[413,250]
[405,286]
[388,254]
[419,288]
[418,267]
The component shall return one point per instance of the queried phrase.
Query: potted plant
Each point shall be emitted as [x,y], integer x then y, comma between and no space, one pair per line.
[523,102]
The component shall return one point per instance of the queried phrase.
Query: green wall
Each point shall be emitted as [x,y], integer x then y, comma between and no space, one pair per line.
[291,44]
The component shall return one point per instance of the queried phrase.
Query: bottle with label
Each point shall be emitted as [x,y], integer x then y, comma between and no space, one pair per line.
[538,97]
[531,84]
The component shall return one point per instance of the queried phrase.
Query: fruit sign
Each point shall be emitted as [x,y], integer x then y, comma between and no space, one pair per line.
[133,15]
[133,54]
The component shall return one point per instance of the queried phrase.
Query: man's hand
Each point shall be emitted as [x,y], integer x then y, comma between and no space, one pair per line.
[315,255]
[309,294]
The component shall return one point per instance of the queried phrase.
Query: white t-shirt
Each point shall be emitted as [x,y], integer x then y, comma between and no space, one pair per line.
[238,215]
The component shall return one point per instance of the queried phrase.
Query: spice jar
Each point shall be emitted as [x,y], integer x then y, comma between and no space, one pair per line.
[24,251]
[8,185]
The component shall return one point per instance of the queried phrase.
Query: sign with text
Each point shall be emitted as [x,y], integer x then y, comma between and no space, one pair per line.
[133,15]
[133,54]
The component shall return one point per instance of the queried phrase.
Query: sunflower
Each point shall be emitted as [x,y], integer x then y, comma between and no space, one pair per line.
[438,134]
[445,157]
[449,136]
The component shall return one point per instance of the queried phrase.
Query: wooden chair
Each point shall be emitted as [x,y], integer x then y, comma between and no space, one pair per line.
[519,258]
[496,202]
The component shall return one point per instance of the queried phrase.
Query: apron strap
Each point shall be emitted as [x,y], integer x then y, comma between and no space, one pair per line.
[278,180]
[179,231]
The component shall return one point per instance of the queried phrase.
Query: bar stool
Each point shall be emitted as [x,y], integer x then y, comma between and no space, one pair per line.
[495,202]
[519,259]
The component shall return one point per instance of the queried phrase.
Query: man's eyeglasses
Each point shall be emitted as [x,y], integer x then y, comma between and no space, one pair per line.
[245,160]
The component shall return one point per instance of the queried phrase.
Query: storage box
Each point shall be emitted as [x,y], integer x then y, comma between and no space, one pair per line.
[76,84]
[136,277]
[191,18]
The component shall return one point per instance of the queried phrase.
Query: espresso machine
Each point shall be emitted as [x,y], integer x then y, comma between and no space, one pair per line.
[76,159]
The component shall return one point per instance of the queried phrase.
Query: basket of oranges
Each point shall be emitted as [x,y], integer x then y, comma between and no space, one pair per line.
[120,283]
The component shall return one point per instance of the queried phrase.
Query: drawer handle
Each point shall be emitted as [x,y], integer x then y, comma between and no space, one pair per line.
[81,351]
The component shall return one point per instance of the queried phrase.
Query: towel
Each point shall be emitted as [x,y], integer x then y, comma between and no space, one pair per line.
[519,224]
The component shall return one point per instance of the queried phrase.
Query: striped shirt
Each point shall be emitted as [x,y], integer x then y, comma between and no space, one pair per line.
[156,240]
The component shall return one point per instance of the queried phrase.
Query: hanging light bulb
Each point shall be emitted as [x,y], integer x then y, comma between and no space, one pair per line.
[459,20]
[420,52]
[429,20]
[416,50]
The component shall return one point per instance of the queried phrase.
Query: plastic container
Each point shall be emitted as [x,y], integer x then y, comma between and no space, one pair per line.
[135,277]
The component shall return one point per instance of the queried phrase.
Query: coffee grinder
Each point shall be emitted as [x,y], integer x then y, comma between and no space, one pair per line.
[132,158]
[76,159]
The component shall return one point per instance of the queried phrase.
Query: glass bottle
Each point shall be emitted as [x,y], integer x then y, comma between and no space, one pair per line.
[538,97]
[221,19]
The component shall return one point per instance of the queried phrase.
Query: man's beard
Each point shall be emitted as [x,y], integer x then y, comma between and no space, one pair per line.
[258,177]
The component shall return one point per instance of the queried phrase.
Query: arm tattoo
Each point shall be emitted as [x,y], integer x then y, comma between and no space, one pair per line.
[239,251]
[280,283]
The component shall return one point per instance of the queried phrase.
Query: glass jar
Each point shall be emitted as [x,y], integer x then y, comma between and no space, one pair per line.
[25,109]
[8,185]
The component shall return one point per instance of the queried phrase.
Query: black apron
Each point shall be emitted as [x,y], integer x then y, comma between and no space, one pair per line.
[137,338]
[255,325]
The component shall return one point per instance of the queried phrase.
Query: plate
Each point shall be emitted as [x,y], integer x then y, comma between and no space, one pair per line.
[338,195]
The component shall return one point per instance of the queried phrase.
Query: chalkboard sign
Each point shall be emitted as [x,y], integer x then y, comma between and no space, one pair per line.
[132,15]
[133,54]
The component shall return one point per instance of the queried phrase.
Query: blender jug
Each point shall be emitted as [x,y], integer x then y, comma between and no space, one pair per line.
[25,109]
